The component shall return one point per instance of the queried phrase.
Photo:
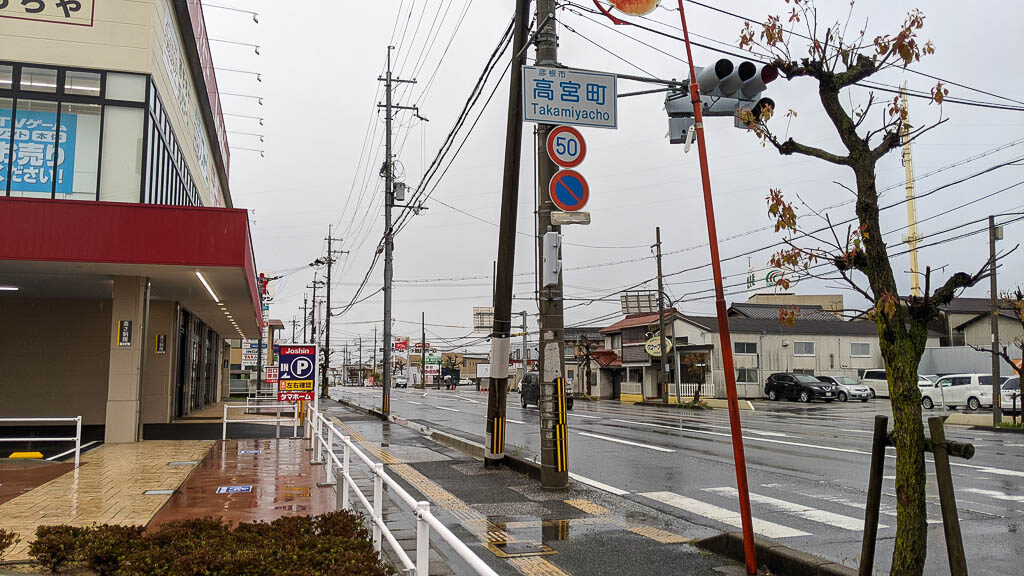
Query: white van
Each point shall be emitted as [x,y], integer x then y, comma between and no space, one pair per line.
[876,381]
[956,390]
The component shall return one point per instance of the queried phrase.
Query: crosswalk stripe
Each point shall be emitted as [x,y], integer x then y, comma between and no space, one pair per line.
[762,527]
[626,442]
[799,510]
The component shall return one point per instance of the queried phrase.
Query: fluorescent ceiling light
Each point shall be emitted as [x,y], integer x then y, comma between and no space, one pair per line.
[208,288]
[9,288]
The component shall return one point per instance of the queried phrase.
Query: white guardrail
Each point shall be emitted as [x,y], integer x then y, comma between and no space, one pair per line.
[77,438]
[323,437]
[294,419]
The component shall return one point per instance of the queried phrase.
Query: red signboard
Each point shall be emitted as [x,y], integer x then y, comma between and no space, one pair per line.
[402,345]
[295,396]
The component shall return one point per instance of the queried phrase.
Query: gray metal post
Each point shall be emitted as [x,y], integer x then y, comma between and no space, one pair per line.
[78,440]
[947,499]
[224,427]
[875,472]
[997,411]
[378,502]
[345,472]
[277,422]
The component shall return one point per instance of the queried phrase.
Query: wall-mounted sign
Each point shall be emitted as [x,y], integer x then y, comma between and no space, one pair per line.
[124,333]
[161,343]
[653,346]
[74,12]
[31,165]
[564,96]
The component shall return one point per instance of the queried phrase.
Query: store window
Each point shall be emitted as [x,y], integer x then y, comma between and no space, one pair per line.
[121,174]
[6,76]
[6,112]
[127,87]
[34,149]
[39,80]
[78,158]
[82,83]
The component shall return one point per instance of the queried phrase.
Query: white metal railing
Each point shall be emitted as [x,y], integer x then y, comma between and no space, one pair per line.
[294,419]
[77,438]
[323,437]
[687,390]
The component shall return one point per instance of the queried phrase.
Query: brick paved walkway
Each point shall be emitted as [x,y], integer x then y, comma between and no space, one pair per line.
[107,489]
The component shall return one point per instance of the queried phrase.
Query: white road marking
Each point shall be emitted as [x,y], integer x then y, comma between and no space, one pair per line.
[415,402]
[762,527]
[598,485]
[448,409]
[585,416]
[883,509]
[514,421]
[996,494]
[799,510]
[80,449]
[627,442]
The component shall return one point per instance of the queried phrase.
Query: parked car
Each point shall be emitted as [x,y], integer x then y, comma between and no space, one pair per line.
[530,393]
[877,382]
[956,390]
[401,382]
[802,387]
[465,382]
[847,388]
[1010,389]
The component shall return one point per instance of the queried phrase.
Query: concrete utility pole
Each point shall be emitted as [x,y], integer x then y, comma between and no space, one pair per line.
[553,434]
[662,380]
[312,309]
[327,327]
[374,350]
[389,233]
[360,360]
[295,324]
[993,235]
[344,366]
[526,345]
[305,317]
[423,350]
[504,266]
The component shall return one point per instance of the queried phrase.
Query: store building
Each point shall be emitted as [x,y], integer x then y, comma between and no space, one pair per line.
[124,267]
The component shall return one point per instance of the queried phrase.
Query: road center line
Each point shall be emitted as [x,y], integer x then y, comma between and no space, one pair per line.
[514,421]
[448,409]
[627,442]
[415,402]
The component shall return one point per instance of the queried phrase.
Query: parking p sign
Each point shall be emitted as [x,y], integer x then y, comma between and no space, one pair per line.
[297,373]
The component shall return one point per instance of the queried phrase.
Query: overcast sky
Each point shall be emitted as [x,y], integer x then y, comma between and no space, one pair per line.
[324,147]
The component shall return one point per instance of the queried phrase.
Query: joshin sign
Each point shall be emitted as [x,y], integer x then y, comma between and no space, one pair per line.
[297,373]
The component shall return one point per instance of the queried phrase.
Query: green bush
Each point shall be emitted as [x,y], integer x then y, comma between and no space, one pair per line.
[1019,425]
[7,541]
[104,548]
[55,546]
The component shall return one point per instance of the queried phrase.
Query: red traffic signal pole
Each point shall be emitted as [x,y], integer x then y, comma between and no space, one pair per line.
[723,320]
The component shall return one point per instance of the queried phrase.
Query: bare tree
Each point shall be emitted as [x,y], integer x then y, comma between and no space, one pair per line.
[834,61]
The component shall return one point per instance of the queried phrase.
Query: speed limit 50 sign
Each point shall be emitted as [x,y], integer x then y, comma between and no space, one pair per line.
[566,146]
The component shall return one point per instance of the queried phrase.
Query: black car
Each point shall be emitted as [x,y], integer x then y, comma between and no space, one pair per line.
[802,387]
[530,393]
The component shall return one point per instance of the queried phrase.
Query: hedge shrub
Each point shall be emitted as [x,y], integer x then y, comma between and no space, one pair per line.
[7,541]
[336,543]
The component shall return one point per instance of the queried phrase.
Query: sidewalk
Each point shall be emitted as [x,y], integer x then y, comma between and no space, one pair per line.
[518,528]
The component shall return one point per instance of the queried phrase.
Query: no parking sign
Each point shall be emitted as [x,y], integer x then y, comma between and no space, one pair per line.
[569,190]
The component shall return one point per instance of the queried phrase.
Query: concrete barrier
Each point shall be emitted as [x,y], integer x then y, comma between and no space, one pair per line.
[777,558]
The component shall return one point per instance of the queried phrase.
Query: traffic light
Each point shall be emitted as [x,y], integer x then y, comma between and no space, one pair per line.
[725,90]
[551,266]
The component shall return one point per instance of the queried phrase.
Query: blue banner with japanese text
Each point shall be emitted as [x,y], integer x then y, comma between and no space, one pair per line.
[29,163]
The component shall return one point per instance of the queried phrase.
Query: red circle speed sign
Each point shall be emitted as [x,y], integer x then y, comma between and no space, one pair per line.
[566,146]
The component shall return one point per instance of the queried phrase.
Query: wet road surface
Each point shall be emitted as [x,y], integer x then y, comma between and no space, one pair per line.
[807,469]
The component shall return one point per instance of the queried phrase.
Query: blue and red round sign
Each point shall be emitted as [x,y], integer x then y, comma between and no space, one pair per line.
[569,190]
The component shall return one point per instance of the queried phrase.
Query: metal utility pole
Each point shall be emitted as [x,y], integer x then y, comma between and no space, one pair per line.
[305,317]
[553,437]
[908,166]
[750,552]
[423,350]
[504,266]
[994,234]
[389,233]
[662,380]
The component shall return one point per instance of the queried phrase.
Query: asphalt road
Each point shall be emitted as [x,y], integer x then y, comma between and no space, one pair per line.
[807,468]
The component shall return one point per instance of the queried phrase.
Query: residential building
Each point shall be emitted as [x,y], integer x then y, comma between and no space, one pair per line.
[124,266]
[761,346]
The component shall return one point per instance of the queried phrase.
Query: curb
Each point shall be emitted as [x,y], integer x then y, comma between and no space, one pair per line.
[711,402]
[778,558]
[468,447]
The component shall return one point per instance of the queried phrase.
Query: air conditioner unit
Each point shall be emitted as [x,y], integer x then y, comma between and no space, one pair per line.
[785,343]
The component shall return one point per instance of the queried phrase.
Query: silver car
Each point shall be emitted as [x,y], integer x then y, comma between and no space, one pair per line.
[848,388]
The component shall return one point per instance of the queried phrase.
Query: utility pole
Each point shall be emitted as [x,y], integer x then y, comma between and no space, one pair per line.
[504,266]
[312,309]
[746,522]
[327,327]
[360,360]
[305,317]
[662,380]
[374,350]
[553,433]
[526,345]
[993,234]
[908,166]
[295,324]
[389,233]
[344,366]
[423,350]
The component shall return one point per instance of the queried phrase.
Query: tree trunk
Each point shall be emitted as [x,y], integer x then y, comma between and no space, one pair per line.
[901,348]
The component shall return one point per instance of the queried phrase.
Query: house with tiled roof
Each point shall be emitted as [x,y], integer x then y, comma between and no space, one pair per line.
[819,344]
